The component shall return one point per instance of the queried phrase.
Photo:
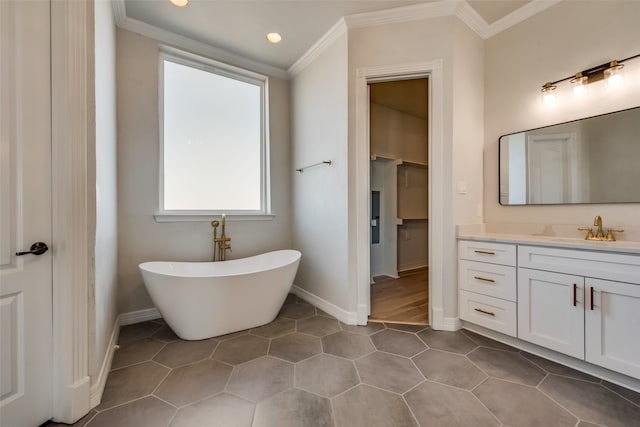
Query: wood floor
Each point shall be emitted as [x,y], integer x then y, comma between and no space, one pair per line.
[403,300]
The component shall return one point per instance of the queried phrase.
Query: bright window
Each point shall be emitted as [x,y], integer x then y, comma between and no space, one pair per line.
[214,144]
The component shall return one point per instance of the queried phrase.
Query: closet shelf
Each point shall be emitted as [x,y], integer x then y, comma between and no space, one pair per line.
[399,162]
[400,221]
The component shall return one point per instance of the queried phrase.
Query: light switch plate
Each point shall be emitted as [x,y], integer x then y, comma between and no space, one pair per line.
[461,188]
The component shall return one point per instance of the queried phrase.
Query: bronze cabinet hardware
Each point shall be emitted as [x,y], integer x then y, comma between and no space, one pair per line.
[484,312]
[592,304]
[484,252]
[37,248]
[575,294]
[483,279]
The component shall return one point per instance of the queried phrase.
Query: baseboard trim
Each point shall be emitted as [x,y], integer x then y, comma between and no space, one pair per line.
[451,323]
[97,389]
[348,317]
[563,359]
[139,316]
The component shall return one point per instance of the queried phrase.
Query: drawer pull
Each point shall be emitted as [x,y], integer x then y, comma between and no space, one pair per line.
[575,294]
[483,279]
[592,304]
[484,312]
[484,252]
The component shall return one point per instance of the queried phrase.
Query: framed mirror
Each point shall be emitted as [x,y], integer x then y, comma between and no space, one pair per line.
[592,160]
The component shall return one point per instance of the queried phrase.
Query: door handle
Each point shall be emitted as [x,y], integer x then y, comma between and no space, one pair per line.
[37,248]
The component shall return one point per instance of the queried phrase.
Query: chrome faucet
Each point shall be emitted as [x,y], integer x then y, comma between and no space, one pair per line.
[220,244]
[599,233]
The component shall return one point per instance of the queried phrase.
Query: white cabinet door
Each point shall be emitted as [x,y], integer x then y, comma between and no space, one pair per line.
[612,325]
[551,310]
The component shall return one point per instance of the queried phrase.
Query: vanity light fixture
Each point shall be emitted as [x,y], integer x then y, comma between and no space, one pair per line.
[274,38]
[180,3]
[609,71]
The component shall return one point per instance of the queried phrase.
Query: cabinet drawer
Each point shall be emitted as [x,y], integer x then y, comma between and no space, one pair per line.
[493,280]
[492,313]
[495,253]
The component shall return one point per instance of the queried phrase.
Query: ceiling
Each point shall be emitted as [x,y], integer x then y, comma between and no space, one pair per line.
[239,26]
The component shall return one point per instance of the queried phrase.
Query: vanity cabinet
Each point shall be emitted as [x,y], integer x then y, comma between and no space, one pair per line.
[567,302]
[487,285]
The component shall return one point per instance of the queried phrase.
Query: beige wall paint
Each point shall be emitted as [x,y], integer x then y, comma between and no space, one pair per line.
[554,44]
[140,237]
[462,53]
[319,132]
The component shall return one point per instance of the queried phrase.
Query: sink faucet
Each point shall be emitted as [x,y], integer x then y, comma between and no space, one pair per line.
[598,223]
[599,233]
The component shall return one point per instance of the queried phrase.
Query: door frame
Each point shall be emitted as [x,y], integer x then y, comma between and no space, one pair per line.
[71,41]
[438,204]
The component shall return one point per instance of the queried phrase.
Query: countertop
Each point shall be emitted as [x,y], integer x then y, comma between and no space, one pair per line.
[620,246]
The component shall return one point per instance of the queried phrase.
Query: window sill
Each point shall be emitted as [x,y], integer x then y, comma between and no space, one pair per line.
[206,217]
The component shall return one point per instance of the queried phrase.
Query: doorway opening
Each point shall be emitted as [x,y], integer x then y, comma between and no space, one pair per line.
[399,194]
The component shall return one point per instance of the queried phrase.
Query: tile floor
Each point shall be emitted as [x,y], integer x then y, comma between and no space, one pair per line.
[307,369]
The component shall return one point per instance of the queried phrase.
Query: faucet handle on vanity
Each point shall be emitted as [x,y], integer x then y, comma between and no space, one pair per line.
[589,231]
[610,235]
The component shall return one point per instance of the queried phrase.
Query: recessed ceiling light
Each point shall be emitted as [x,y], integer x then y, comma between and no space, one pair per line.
[180,3]
[274,38]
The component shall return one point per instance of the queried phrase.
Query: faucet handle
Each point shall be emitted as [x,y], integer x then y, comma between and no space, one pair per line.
[589,231]
[610,233]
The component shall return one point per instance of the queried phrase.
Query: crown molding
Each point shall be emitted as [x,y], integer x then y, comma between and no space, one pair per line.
[519,15]
[334,33]
[173,39]
[402,14]
[472,19]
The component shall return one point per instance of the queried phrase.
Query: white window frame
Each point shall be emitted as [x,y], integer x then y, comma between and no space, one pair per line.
[209,65]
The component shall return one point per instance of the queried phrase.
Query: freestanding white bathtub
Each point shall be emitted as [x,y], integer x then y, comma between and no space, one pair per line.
[200,300]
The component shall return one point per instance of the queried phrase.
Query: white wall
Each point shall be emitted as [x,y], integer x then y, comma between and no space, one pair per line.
[552,45]
[106,201]
[462,54]
[140,237]
[319,132]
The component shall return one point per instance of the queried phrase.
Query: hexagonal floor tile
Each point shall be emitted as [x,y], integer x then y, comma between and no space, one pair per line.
[136,352]
[437,405]
[241,349]
[591,402]
[261,378]
[297,311]
[147,412]
[450,369]
[348,345]
[387,371]
[405,328]
[455,342]
[194,382]
[368,329]
[365,406]
[294,408]
[556,368]
[326,375]
[277,328]
[487,342]
[179,353]
[137,331]
[318,326]
[520,405]
[223,410]
[397,342]
[506,365]
[131,383]
[165,334]
[295,347]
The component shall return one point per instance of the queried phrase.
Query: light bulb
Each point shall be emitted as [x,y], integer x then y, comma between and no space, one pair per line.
[613,75]
[180,3]
[579,85]
[548,96]
[274,38]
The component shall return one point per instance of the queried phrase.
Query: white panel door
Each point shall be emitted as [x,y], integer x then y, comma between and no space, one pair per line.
[25,214]
[612,325]
[551,310]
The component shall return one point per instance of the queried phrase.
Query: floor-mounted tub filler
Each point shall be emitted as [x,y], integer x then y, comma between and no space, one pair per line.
[201,300]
